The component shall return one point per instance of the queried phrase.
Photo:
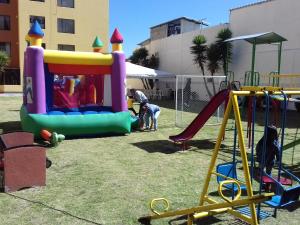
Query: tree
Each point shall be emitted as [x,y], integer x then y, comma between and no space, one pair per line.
[225,47]
[198,49]
[213,57]
[4,61]
[153,62]
[139,56]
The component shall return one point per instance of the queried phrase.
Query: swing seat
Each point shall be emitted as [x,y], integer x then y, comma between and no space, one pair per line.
[283,180]
[288,197]
[228,170]
[284,196]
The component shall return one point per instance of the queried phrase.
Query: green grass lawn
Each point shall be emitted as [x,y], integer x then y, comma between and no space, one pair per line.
[111,180]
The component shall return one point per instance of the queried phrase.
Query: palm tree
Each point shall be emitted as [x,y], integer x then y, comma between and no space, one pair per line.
[198,49]
[213,57]
[4,61]
[225,47]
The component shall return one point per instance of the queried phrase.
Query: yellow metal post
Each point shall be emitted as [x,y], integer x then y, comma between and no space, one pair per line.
[216,151]
[238,122]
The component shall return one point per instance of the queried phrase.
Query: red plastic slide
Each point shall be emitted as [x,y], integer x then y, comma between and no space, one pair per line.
[202,117]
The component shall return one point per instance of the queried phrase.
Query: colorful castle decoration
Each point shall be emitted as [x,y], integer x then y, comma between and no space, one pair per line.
[74,93]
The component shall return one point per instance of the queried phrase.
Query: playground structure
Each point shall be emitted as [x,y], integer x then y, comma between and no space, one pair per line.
[74,93]
[226,172]
[209,206]
[200,119]
[193,92]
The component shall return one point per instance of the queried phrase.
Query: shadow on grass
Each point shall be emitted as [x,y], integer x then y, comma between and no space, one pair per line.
[10,126]
[168,147]
[206,220]
[54,209]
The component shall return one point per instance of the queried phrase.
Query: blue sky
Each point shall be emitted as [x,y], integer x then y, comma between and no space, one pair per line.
[133,18]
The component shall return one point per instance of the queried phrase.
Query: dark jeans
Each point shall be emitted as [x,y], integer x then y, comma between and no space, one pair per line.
[140,109]
[133,110]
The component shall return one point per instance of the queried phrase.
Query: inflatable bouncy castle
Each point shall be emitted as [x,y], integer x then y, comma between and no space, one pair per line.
[74,93]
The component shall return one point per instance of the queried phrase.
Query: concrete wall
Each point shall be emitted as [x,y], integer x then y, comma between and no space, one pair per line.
[159,32]
[280,16]
[187,26]
[174,51]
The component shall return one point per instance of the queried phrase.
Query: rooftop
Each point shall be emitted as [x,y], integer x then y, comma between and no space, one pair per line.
[181,18]
[252,4]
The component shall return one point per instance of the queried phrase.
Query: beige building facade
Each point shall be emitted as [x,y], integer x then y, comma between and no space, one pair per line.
[67,24]
[280,16]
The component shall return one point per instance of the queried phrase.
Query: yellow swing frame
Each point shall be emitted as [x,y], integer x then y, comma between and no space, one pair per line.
[213,207]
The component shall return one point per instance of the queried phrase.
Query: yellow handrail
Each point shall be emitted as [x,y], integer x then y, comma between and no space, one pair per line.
[224,182]
[155,201]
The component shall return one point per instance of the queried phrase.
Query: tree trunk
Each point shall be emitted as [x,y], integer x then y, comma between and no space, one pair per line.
[213,83]
[205,83]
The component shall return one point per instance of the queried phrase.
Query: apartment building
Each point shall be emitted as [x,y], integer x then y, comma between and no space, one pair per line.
[68,25]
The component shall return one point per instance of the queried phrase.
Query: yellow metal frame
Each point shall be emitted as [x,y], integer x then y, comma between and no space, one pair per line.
[208,206]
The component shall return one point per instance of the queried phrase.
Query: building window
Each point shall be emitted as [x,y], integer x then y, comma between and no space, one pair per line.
[66,3]
[37,0]
[66,47]
[40,19]
[10,77]
[5,47]
[4,1]
[66,26]
[174,28]
[4,22]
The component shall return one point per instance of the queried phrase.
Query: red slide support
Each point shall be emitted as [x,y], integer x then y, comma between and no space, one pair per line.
[201,118]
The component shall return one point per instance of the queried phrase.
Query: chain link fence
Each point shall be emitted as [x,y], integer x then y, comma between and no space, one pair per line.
[193,92]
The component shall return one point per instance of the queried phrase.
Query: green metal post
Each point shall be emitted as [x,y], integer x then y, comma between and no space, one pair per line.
[279,61]
[253,61]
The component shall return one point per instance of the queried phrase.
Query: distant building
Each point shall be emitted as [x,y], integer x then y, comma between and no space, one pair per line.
[280,16]
[177,26]
[68,25]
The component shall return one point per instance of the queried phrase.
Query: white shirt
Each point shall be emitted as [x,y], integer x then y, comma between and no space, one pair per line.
[140,96]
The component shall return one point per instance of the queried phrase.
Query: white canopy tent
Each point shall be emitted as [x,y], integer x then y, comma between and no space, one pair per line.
[139,74]
[137,71]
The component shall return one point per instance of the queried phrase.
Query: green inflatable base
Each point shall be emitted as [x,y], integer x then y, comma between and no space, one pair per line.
[76,125]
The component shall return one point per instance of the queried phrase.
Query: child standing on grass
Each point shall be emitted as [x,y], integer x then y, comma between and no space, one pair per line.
[151,111]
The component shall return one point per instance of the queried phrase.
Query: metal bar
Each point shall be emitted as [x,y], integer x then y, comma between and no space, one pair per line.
[263,159]
[286,75]
[233,160]
[279,60]
[244,156]
[260,93]
[216,151]
[283,120]
[239,202]
[252,138]
[226,177]
[253,61]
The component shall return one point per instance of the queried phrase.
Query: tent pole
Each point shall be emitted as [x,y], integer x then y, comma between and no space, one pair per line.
[253,61]
[279,61]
